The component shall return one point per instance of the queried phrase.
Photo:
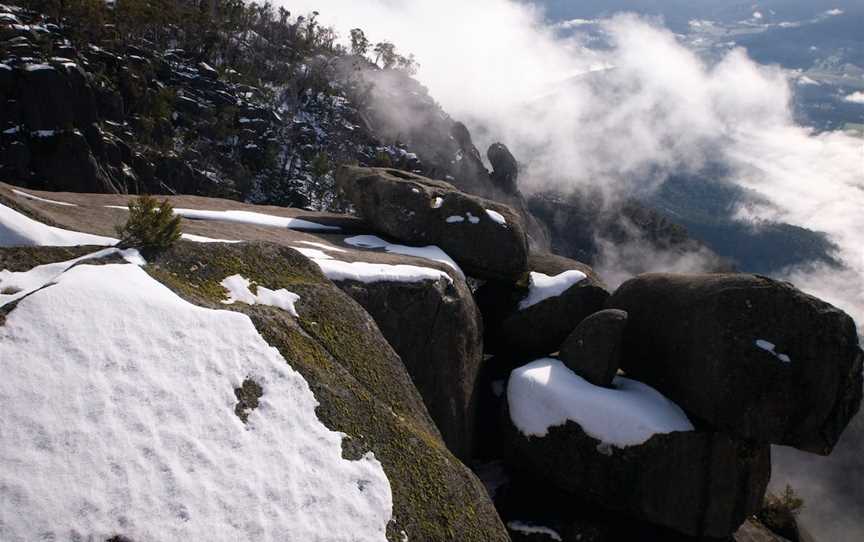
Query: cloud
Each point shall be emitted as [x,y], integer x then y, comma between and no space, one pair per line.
[623,115]
[855,97]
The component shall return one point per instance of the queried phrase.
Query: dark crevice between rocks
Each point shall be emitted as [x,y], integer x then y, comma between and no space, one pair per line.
[247,398]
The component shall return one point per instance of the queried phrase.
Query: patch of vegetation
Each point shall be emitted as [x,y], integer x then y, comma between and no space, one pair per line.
[779,513]
[151,225]
[247,398]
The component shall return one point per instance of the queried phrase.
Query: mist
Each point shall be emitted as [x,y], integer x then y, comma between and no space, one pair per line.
[622,113]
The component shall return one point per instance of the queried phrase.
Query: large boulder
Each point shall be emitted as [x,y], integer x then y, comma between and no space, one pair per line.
[533,316]
[593,350]
[631,450]
[486,238]
[505,169]
[752,356]
[56,97]
[432,323]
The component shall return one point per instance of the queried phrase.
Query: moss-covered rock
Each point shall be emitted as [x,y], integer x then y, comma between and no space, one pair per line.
[363,389]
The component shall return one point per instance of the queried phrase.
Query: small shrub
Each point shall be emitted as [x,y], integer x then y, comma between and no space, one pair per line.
[151,225]
[779,513]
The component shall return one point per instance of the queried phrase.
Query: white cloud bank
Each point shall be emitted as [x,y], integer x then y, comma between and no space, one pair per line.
[622,118]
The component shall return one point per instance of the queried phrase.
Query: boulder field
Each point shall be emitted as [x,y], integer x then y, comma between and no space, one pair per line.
[433,337]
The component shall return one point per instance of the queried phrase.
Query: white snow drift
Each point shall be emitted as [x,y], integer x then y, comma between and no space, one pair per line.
[430,252]
[256,219]
[546,394]
[338,270]
[118,418]
[542,287]
[19,230]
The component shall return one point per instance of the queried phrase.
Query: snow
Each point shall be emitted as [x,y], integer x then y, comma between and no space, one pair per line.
[19,230]
[118,418]
[313,253]
[5,67]
[496,217]
[772,348]
[546,394]
[43,133]
[257,219]
[202,239]
[323,246]
[18,285]
[430,252]
[38,67]
[37,198]
[239,290]
[454,219]
[804,80]
[12,131]
[528,529]
[337,270]
[437,203]
[472,219]
[855,98]
[543,287]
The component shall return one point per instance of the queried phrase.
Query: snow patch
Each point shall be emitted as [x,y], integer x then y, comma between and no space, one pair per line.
[496,217]
[248,217]
[543,287]
[337,270]
[546,394]
[37,198]
[855,98]
[323,246]
[430,252]
[239,290]
[772,348]
[202,239]
[118,418]
[528,529]
[437,203]
[19,230]
[455,219]
[17,285]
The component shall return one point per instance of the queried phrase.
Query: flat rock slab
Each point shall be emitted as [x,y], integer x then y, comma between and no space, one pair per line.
[751,356]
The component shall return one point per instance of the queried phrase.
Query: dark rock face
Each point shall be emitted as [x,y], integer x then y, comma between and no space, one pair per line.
[56,98]
[63,159]
[593,351]
[539,329]
[750,355]
[486,238]
[436,329]
[505,169]
[701,484]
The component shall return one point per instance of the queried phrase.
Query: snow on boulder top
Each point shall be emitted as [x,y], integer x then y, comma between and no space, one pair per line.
[255,219]
[119,419]
[430,252]
[496,217]
[542,287]
[19,230]
[239,290]
[546,394]
[337,270]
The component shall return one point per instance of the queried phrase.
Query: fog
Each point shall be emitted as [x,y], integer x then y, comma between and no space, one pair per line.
[623,112]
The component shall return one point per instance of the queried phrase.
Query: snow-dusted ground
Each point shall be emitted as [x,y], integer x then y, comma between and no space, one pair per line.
[118,418]
[256,219]
[430,252]
[17,229]
[542,287]
[545,394]
[239,290]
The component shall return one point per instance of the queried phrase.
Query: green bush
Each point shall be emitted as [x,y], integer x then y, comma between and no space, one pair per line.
[779,513]
[151,225]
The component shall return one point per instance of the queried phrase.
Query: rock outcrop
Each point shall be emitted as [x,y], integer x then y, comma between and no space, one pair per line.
[752,356]
[530,317]
[486,238]
[594,349]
